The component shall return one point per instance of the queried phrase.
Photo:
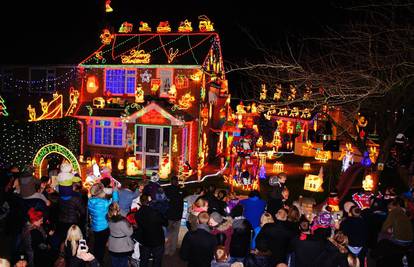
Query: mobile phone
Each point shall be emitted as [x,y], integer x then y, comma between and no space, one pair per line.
[82,244]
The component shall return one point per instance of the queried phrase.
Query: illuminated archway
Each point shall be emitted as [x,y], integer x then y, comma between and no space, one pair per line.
[58,149]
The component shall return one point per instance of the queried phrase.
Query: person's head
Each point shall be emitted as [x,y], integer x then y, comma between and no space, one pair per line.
[201,203]
[304,224]
[155,177]
[282,265]
[215,219]
[282,177]
[106,182]
[322,233]
[174,180]
[237,211]
[266,218]
[203,217]
[221,194]
[21,261]
[35,217]
[347,206]
[355,211]
[293,214]
[211,188]
[4,263]
[73,236]
[145,199]
[340,238]
[395,203]
[97,190]
[132,186]
[254,193]
[114,211]
[220,254]
[281,215]
[353,261]
[285,193]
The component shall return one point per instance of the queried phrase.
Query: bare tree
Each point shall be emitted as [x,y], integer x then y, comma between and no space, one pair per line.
[366,66]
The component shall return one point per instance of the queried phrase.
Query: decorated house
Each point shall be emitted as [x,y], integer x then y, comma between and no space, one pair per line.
[149,97]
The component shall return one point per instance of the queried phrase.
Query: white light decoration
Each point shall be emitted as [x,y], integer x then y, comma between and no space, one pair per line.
[306,166]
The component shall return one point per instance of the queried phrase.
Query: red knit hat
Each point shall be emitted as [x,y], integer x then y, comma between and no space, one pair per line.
[34,215]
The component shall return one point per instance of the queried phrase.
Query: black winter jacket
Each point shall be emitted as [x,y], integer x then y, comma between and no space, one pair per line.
[71,210]
[149,231]
[241,238]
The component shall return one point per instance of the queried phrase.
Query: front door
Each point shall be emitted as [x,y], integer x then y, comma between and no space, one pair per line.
[152,147]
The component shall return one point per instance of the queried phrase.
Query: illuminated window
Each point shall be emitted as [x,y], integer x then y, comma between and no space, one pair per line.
[166,77]
[106,133]
[120,81]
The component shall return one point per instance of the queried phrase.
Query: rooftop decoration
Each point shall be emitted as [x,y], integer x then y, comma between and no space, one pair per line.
[126,27]
[278,93]
[185,26]
[164,26]
[136,57]
[73,98]
[108,7]
[205,24]
[50,110]
[144,27]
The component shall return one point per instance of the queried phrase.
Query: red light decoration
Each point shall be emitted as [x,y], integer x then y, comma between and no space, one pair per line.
[92,84]
[153,117]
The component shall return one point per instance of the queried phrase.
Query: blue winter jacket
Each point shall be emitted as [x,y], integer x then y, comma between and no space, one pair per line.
[98,209]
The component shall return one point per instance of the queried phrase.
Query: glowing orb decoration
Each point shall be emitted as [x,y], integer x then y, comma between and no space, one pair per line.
[278,167]
[306,166]
[368,183]
[92,85]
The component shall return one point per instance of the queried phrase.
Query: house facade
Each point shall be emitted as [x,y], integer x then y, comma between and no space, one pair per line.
[148,100]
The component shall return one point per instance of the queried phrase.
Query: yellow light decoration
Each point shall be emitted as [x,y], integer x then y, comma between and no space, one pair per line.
[278,93]
[308,92]
[253,108]
[380,166]
[263,93]
[262,159]
[305,113]
[294,112]
[172,54]
[102,162]
[175,144]
[73,98]
[322,155]
[133,166]
[144,27]
[81,158]
[88,162]
[185,26]
[240,108]
[289,127]
[308,145]
[92,85]
[239,121]
[106,37]
[186,101]
[259,142]
[109,164]
[306,166]
[165,168]
[368,183]
[373,154]
[196,76]
[136,57]
[108,7]
[270,153]
[164,26]
[278,167]
[255,128]
[121,165]
[50,110]
[314,182]
[126,27]
[205,25]
[276,142]
[293,91]
[283,112]
[139,94]
[98,102]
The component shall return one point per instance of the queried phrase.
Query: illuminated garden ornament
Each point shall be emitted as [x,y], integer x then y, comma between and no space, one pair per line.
[106,37]
[172,93]
[314,182]
[136,57]
[108,7]
[240,108]
[347,157]
[126,27]
[259,142]
[164,26]
[121,166]
[92,84]
[368,183]
[3,108]
[262,172]
[139,94]
[185,102]
[205,25]
[278,93]
[50,110]
[185,26]
[293,91]
[366,161]
[263,92]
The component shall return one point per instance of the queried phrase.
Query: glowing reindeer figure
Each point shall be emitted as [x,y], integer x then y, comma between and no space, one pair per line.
[263,93]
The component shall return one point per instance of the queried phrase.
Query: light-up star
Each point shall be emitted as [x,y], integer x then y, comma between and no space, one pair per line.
[146,76]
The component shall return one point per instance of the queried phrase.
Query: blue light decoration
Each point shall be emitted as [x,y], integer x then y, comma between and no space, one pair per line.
[262,173]
[366,161]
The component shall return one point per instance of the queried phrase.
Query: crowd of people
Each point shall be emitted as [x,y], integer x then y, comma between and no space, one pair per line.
[138,224]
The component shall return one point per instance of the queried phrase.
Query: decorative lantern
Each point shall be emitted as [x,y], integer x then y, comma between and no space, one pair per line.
[314,182]
[380,166]
[133,166]
[121,165]
[278,167]
[306,166]
[92,85]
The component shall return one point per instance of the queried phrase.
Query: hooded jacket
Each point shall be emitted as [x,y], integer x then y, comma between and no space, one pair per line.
[120,236]
[241,238]
[225,228]
[98,208]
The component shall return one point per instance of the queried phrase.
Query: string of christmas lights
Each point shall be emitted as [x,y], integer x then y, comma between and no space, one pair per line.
[11,78]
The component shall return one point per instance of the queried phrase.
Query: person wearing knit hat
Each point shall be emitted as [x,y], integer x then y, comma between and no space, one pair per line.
[27,182]
[215,219]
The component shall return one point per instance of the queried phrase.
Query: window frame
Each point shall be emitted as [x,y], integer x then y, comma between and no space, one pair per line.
[126,76]
[159,70]
[91,124]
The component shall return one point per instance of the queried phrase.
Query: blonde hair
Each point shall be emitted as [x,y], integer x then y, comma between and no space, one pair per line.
[200,203]
[4,263]
[73,236]
[266,218]
[353,261]
[113,210]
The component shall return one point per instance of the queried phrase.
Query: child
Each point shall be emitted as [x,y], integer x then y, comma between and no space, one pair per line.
[220,258]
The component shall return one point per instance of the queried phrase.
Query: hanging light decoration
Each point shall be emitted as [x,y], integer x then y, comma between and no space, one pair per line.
[92,84]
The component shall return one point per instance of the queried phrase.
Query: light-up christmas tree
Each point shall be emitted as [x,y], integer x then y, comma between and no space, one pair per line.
[3,108]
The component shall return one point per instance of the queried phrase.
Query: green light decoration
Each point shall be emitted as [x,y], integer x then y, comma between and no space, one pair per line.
[202,93]
[54,148]
[3,108]
[90,110]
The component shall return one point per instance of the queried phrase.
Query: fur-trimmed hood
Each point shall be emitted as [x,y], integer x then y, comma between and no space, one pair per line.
[227,223]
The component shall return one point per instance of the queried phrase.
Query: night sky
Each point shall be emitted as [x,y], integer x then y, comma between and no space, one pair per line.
[65,32]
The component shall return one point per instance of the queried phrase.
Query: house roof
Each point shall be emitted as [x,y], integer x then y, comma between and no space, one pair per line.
[193,49]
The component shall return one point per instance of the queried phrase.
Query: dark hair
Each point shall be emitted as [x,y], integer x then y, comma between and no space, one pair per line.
[106,182]
[44,179]
[237,211]
[322,233]
[132,186]
[144,199]
[224,192]
[254,193]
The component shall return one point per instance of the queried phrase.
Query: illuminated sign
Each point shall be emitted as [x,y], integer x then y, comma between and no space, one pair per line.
[58,149]
[136,57]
